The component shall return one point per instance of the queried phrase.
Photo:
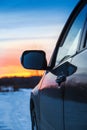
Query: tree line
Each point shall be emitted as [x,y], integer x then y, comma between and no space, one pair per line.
[20,82]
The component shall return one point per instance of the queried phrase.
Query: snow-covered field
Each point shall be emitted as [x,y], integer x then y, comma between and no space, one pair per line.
[14,110]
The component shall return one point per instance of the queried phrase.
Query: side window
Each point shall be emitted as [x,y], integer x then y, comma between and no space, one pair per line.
[85,41]
[84,37]
[69,47]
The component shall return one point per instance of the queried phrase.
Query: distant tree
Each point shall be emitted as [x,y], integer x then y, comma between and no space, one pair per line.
[20,82]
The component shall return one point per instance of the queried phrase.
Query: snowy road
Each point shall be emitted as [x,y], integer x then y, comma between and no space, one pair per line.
[14,110]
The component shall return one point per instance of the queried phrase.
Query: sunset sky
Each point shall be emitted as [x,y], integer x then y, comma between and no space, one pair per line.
[27,25]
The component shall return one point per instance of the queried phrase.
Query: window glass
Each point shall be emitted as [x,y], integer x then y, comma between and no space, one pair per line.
[86,38]
[70,44]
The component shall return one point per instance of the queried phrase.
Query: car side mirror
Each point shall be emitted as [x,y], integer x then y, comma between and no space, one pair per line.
[34,59]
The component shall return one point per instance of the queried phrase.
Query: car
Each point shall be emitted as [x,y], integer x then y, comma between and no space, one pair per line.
[59,101]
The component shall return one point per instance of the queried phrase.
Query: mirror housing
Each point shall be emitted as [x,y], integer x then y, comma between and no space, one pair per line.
[65,69]
[34,59]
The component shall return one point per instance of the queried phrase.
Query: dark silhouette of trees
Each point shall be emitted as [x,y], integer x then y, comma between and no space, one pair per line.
[20,82]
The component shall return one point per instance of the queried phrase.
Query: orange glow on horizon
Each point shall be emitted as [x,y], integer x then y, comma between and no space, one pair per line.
[21,75]
[18,71]
[10,65]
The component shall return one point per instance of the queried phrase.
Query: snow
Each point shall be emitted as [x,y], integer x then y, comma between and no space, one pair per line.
[14,110]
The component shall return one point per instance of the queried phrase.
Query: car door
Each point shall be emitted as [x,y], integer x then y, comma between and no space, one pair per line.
[51,104]
[75,92]
[75,97]
[57,110]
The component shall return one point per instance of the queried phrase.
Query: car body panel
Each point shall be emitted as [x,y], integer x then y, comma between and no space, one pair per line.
[51,103]
[75,99]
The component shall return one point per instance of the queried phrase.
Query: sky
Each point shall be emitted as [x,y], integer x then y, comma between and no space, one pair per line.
[28,25]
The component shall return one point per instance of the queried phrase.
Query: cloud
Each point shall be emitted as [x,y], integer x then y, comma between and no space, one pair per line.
[30,25]
[30,18]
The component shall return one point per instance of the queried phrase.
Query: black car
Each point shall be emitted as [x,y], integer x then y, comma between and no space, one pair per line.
[59,101]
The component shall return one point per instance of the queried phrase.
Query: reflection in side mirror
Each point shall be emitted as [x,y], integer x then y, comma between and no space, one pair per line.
[34,59]
[66,69]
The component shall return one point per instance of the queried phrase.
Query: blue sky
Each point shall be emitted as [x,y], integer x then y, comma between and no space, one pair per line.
[23,19]
[35,4]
